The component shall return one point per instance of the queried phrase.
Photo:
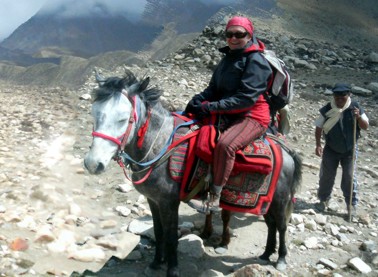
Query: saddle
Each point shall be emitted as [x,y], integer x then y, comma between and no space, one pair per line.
[253,180]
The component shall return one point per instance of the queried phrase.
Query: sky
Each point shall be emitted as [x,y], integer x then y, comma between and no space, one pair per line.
[13,13]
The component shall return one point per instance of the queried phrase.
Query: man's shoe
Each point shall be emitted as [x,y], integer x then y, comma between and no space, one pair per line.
[352,215]
[352,211]
[321,206]
[202,206]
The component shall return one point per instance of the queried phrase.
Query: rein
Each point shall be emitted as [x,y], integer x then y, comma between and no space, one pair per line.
[164,154]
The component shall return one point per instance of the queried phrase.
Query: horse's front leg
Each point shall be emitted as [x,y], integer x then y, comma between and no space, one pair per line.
[165,219]
[169,220]
[226,237]
[159,236]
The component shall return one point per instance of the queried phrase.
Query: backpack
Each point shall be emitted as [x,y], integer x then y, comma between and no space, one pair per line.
[281,91]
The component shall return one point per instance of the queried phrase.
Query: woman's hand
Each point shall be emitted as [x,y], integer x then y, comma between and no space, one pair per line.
[191,107]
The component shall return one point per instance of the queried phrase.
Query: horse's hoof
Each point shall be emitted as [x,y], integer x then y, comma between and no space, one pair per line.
[281,266]
[173,272]
[205,236]
[263,260]
[155,265]
[221,249]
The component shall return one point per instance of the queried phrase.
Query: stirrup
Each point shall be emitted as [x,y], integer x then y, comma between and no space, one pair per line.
[202,206]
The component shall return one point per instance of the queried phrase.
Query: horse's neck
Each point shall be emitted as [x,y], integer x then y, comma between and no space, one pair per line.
[158,131]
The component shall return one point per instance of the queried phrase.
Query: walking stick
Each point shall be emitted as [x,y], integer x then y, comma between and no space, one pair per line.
[353,164]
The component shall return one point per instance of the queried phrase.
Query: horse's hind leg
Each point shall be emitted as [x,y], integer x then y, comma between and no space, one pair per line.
[226,217]
[208,228]
[271,241]
[282,250]
[282,227]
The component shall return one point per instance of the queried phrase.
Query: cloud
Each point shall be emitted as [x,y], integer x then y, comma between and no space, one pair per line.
[219,2]
[15,12]
[73,8]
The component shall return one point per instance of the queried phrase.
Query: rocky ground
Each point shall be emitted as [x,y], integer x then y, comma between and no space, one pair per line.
[56,219]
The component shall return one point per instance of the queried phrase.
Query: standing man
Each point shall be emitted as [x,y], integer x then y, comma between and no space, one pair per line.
[336,122]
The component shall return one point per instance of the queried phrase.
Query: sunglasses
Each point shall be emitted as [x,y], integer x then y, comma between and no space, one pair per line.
[236,35]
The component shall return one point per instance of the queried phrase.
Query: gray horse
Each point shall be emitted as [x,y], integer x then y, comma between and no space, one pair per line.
[121,109]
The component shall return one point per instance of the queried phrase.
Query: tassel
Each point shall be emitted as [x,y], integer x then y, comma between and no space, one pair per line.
[143,130]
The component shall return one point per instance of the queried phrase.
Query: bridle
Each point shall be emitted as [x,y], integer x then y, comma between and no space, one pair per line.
[122,139]
[121,156]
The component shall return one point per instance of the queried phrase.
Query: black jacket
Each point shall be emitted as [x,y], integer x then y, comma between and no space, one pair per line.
[238,81]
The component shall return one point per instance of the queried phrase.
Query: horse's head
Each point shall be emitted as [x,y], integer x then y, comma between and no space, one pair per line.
[115,113]
[112,111]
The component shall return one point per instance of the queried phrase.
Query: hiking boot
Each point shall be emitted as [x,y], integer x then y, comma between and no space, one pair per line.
[215,194]
[321,206]
[214,202]
[202,206]
[211,204]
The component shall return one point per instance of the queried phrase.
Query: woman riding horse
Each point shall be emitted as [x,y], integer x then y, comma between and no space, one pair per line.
[236,93]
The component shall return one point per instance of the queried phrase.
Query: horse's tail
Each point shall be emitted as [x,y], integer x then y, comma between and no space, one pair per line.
[296,181]
[297,176]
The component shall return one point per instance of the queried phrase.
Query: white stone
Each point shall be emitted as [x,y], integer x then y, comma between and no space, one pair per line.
[122,210]
[359,265]
[88,255]
[44,234]
[192,246]
[74,209]
[296,219]
[125,187]
[311,243]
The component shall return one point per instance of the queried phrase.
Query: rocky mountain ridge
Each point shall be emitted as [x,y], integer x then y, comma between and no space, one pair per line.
[56,219]
[316,21]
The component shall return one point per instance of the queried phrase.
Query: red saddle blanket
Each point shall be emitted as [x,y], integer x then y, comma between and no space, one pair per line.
[250,188]
[255,157]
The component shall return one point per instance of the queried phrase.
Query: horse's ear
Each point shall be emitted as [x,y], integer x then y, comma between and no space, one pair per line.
[99,78]
[144,84]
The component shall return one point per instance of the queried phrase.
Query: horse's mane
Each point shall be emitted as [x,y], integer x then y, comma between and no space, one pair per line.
[113,86]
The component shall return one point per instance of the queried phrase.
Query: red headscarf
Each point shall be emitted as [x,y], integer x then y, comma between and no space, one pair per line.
[241,21]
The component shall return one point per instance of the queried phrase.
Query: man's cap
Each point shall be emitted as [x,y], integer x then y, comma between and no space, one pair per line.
[341,87]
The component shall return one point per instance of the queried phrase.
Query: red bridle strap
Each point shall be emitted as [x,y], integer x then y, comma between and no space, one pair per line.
[101,135]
